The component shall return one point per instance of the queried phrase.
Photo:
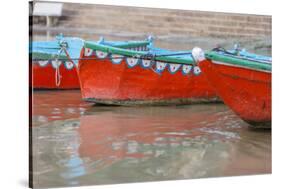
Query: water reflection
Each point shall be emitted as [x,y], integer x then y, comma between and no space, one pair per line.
[106,145]
[51,105]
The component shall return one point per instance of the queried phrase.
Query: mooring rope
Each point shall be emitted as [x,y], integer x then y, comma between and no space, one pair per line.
[58,77]
[68,56]
[57,74]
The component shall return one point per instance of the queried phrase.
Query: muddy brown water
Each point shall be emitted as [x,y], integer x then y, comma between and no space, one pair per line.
[77,143]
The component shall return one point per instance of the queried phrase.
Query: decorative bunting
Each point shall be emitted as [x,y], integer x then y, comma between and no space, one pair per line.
[88,52]
[132,62]
[173,68]
[146,63]
[56,64]
[160,66]
[116,59]
[68,65]
[101,54]
[186,69]
[43,63]
[196,70]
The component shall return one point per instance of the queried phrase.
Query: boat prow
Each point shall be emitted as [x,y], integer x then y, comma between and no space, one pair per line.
[242,81]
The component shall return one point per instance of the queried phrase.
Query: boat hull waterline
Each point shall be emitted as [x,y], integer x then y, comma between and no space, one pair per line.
[132,81]
[247,91]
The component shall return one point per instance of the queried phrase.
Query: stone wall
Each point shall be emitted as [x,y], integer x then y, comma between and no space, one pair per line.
[164,21]
[172,29]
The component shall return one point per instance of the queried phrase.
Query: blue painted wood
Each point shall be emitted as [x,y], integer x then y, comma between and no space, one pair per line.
[247,55]
[159,52]
[73,47]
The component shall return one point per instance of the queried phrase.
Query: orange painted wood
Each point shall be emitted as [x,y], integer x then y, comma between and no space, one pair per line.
[247,92]
[101,79]
[44,77]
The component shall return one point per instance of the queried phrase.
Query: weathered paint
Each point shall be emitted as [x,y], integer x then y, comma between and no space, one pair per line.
[45,77]
[44,69]
[103,81]
[43,54]
[244,59]
[246,91]
[133,49]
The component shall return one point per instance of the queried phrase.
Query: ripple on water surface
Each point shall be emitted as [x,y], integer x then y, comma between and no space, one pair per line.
[87,144]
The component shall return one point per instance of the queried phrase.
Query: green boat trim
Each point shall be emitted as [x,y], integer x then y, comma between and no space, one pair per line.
[238,61]
[47,56]
[124,51]
[129,44]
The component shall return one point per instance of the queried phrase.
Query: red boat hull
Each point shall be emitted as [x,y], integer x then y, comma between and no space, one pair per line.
[44,77]
[102,81]
[246,91]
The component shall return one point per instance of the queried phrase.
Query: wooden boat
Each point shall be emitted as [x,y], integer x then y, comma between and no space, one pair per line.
[137,73]
[242,80]
[52,65]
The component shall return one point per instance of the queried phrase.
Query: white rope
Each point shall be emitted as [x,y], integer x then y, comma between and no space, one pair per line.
[58,76]
[57,73]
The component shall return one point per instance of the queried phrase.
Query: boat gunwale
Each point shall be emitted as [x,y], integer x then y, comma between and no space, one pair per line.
[43,56]
[239,62]
[239,66]
[121,50]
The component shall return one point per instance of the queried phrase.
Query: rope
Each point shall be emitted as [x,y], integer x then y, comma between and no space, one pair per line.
[68,56]
[58,77]
[57,74]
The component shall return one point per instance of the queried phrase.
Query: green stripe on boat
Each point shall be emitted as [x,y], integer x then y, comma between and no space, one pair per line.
[47,56]
[238,61]
[123,50]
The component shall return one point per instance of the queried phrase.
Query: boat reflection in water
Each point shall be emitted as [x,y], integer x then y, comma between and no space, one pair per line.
[109,145]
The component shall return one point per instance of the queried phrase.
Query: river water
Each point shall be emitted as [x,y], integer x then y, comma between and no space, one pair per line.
[77,143]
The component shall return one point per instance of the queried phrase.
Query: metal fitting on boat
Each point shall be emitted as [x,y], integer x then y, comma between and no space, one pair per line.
[198,54]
